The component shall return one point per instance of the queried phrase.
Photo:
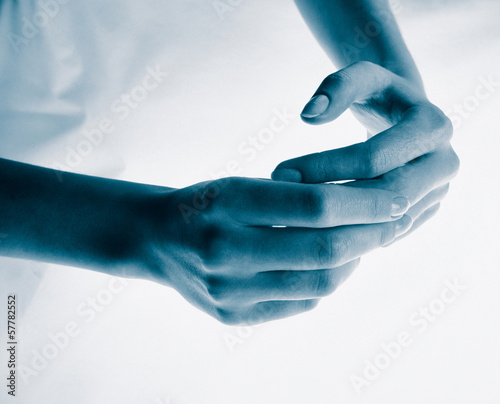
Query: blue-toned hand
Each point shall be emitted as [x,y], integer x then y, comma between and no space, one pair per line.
[224,246]
[408,149]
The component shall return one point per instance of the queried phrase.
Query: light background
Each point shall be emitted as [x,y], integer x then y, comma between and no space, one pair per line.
[225,77]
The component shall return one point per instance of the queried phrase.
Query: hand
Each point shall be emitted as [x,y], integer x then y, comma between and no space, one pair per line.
[410,154]
[215,243]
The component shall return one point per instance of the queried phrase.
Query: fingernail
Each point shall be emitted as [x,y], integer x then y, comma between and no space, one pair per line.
[399,206]
[287,174]
[403,225]
[316,106]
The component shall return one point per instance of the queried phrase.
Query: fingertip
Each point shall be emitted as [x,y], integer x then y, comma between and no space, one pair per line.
[400,206]
[315,107]
[287,175]
[403,225]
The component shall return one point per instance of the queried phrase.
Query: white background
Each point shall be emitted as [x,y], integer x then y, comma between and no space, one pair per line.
[225,77]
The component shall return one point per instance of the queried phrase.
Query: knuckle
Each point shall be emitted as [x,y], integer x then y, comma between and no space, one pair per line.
[213,243]
[324,283]
[447,128]
[316,204]
[374,162]
[223,183]
[217,289]
[374,208]
[226,189]
[341,80]
[340,250]
[227,317]
[206,198]
[331,252]
[324,252]
[260,312]
[213,191]
[292,281]
[377,72]
[439,124]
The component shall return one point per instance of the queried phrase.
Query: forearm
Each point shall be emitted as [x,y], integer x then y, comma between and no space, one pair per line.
[357,30]
[81,221]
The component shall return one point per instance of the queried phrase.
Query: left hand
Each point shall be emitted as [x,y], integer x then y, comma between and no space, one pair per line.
[408,149]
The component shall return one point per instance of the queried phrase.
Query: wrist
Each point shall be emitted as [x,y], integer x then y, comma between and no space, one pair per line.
[150,237]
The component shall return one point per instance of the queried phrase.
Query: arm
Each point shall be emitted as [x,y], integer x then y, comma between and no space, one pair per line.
[360,30]
[70,219]
[408,150]
[213,242]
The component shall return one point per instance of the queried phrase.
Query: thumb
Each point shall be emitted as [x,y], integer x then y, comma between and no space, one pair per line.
[339,90]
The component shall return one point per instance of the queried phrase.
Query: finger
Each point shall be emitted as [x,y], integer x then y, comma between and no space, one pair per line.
[418,178]
[294,285]
[266,311]
[285,249]
[338,91]
[267,203]
[419,222]
[424,128]
[431,199]
[280,285]
[423,218]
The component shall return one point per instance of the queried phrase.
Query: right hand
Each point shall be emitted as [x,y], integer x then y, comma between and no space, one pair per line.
[215,243]
[408,150]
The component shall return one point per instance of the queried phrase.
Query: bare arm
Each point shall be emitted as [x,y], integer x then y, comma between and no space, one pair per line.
[408,148]
[213,242]
[80,221]
[360,30]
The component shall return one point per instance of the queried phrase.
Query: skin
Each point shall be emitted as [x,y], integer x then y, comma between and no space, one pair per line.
[213,242]
[250,250]
[408,149]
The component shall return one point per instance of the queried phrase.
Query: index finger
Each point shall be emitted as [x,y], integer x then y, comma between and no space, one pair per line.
[266,203]
[423,129]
